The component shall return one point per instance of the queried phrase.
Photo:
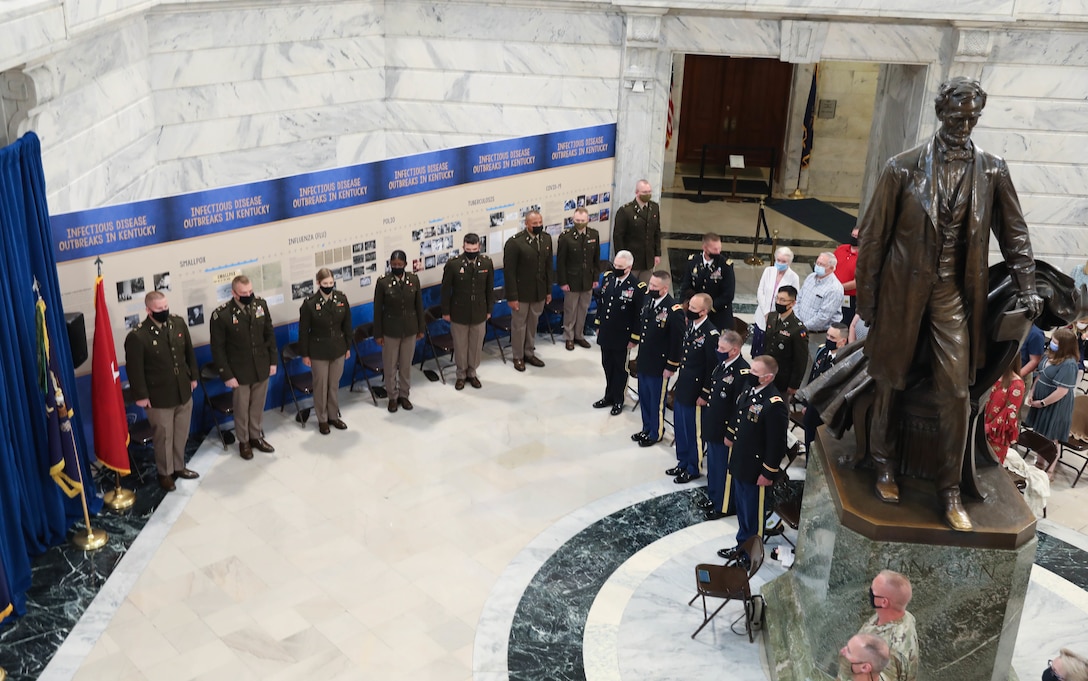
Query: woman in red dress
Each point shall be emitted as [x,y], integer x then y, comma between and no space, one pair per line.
[1003,410]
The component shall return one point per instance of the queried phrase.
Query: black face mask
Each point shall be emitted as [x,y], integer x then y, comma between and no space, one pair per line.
[853,241]
[830,345]
[779,308]
[397,271]
[872,599]
[533,231]
[693,316]
[246,300]
[471,255]
[619,271]
[1049,675]
[161,316]
[327,289]
[754,380]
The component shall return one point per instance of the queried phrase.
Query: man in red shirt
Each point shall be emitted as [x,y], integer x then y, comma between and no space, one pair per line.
[847,256]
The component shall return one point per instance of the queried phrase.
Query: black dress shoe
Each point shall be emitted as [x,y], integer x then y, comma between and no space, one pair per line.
[245,451]
[167,483]
[261,445]
[405,403]
[535,361]
[338,424]
[713,515]
[519,364]
[323,428]
[685,477]
[570,345]
[583,342]
[186,474]
[459,384]
[647,442]
[601,403]
[640,435]
[616,409]
[705,504]
[730,554]
[392,406]
[674,471]
[474,382]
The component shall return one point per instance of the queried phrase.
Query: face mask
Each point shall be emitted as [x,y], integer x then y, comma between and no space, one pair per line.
[1082,326]
[533,231]
[1053,346]
[645,198]
[619,271]
[872,599]
[327,289]
[819,270]
[779,308]
[581,225]
[693,316]
[754,380]
[853,241]
[397,271]
[471,255]
[161,316]
[830,344]
[1049,675]
[722,356]
[781,266]
[246,300]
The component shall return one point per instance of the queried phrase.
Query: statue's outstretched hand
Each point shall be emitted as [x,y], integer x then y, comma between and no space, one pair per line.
[1031,302]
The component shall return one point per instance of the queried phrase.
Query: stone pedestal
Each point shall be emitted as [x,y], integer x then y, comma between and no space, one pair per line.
[968,587]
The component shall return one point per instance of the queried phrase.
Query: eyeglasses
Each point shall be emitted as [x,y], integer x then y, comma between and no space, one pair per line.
[1050,666]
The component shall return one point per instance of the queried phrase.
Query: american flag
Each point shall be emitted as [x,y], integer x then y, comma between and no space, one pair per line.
[668,121]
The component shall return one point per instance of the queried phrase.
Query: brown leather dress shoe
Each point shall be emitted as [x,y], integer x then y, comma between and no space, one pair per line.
[323,428]
[245,451]
[459,384]
[261,445]
[535,361]
[583,342]
[570,345]
[405,403]
[338,424]
[167,483]
[519,364]
[474,382]
[186,474]
[392,406]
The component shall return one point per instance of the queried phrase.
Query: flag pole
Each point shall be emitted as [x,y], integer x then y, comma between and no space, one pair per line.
[118,498]
[89,539]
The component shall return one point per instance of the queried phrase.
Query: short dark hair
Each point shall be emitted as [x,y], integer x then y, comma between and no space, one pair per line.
[790,291]
[398,255]
[839,326]
[711,237]
[472,238]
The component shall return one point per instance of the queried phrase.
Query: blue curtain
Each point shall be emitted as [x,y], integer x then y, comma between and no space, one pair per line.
[34,514]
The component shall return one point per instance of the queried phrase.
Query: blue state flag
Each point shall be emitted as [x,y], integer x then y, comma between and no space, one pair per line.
[61,452]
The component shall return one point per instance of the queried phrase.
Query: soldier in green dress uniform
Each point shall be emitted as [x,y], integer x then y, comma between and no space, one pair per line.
[324,338]
[398,324]
[468,296]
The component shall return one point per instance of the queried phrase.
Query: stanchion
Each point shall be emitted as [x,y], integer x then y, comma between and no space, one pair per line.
[3,674]
[699,198]
[119,498]
[761,221]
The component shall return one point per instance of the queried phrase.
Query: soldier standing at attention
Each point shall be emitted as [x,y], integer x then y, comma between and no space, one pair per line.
[637,228]
[719,400]
[324,340]
[527,261]
[619,303]
[244,352]
[579,258]
[661,341]
[787,341]
[468,296]
[162,374]
[711,273]
[700,356]
[398,324]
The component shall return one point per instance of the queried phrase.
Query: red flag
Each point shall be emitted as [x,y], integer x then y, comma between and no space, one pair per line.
[110,422]
[668,121]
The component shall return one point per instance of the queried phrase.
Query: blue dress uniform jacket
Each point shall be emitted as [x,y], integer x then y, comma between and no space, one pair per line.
[661,336]
[618,307]
[718,281]
[699,355]
[721,392]
[787,341]
[758,431]
[243,341]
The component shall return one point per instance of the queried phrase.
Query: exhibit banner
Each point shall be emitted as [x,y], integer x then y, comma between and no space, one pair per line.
[279,232]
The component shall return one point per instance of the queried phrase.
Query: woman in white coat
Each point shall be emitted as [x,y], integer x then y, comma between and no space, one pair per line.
[774,277]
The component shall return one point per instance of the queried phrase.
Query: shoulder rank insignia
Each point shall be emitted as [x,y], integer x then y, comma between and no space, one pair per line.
[776,399]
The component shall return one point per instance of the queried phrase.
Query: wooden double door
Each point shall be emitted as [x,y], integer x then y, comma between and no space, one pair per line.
[737,105]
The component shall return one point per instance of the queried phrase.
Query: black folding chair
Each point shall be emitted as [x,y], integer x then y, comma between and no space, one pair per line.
[438,338]
[299,382]
[139,432]
[369,362]
[221,402]
[500,324]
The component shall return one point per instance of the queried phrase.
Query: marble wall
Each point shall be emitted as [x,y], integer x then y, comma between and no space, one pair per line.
[141,98]
[839,143]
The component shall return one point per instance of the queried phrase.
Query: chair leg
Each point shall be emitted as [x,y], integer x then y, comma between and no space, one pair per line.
[748,619]
[706,620]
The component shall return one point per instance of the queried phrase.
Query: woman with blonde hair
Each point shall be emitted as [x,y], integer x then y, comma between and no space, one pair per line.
[1051,405]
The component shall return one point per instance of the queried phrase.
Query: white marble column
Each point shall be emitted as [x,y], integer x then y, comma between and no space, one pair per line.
[802,43]
[644,101]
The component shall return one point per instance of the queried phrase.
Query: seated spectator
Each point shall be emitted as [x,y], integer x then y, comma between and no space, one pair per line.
[825,358]
[889,595]
[1002,416]
[1067,666]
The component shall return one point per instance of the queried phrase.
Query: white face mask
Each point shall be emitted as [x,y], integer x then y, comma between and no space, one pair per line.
[1082,325]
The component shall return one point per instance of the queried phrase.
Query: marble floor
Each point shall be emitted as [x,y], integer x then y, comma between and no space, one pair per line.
[506,533]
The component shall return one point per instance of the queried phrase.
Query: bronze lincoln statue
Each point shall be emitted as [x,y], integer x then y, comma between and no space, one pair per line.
[922,282]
